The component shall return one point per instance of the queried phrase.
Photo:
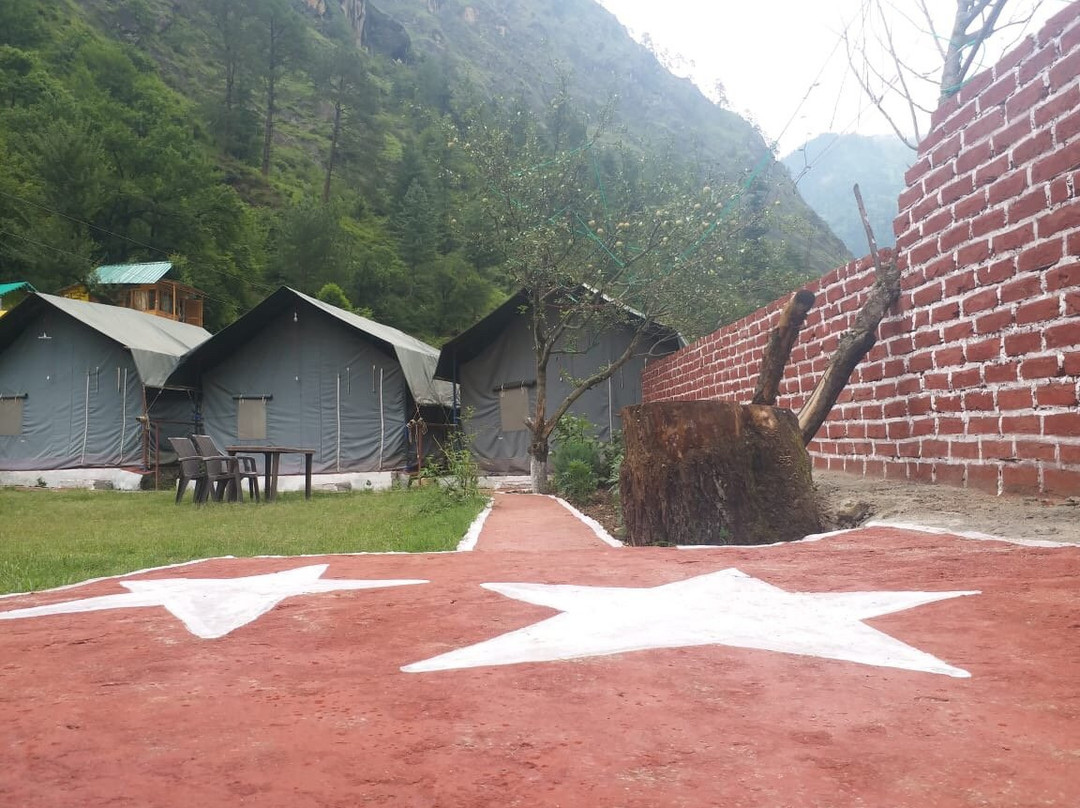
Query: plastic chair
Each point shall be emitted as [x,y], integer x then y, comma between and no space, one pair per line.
[191,469]
[227,473]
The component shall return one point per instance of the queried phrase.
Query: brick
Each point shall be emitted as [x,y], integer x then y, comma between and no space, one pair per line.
[1040,367]
[992,171]
[957,189]
[1055,221]
[1064,71]
[1035,450]
[996,448]
[969,377]
[1013,58]
[982,127]
[1007,188]
[983,478]
[1071,363]
[926,339]
[926,295]
[973,87]
[1056,394]
[964,450]
[948,474]
[1061,482]
[938,177]
[936,381]
[1015,399]
[1068,453]
[1063,335]
[944,313]
[939,267]
[983,350]
[978,400]
[1057,162]
[939,219]
[1023,343]
[985,425]
[974,252]
[1013,239]
[1023,288]
[949,403]
[998,92]
[919,405]
[1040,256]
[974,156]
[1001,372]
[898,430]
[1020,479]
[980,301]
[1038,311]
[1067,128]
[1027,205]
[1062,189]
[1072,243]
[953,332]
[996,272]
[919,363]
[1021,425]
[946,150]
[1038,63]
[1013,133]
[1030,148]
[1072,304]
[994,321]
[950,425]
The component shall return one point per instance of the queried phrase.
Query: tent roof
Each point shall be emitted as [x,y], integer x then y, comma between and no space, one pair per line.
[110,274]
[8,288]
[472,341]
[156,344]
[417,359]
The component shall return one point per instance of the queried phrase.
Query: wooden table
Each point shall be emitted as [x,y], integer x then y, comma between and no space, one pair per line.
[272,463]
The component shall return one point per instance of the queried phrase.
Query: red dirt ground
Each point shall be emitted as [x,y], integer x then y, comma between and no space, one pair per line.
[307,706]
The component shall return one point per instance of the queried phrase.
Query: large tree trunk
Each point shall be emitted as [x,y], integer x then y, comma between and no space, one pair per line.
[715,472]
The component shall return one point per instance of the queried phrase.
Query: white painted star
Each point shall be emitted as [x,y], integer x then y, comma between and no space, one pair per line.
[721,608]
[211,607]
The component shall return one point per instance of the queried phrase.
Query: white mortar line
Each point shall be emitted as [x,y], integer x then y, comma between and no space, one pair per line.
[595,526]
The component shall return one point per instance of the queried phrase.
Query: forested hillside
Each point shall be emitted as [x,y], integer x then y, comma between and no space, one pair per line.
[310,142]
[827,167]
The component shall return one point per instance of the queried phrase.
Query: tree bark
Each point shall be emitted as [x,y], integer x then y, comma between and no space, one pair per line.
[778,351]
[715,472]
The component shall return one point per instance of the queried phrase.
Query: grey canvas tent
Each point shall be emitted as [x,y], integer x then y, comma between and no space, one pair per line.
[494,366]
[81,383]
[295,371]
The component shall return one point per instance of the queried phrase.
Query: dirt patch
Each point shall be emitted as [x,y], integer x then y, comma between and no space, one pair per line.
[850,500]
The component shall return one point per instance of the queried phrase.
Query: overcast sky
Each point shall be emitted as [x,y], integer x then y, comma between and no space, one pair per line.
[782,62]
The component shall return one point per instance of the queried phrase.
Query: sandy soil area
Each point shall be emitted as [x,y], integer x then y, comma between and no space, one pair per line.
[852,500]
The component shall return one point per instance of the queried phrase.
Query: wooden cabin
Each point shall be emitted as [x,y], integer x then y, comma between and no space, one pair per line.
[142,287]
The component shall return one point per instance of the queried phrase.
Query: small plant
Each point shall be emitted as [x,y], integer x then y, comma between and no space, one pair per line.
[581,461]
[457,474]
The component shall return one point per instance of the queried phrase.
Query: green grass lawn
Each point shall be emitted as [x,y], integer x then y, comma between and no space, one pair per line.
[49,538]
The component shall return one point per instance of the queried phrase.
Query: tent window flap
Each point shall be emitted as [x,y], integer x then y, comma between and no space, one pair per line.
[514,409]
[251,419]
[11,415]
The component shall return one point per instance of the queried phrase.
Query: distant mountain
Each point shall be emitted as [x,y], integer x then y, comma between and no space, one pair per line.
[826,168]
[254,143]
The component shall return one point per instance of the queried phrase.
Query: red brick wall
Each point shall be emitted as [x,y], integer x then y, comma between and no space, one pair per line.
[975,377]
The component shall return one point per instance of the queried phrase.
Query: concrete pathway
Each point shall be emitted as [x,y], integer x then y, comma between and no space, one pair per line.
[534,523]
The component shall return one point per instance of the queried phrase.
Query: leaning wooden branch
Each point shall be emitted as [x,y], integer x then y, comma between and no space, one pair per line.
[856,342]
[781,341]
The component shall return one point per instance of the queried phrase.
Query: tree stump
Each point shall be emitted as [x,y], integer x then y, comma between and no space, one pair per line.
[715,472]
